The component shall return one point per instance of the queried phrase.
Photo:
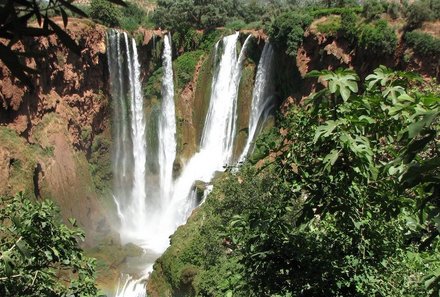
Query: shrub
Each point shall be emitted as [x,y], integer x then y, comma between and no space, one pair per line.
[393,10]
[378,38]
[372,9]
[330,27]
[417,13]
[320,12]
[254,25]
[185,66]
[348,26]
[236,25]
[105,13]
[423,43]
[209,38]
[287,30]
[188,40]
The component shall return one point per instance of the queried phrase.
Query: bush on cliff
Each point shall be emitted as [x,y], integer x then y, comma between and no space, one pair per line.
[378,39]
[372,9]
[349,26]
[287,30]
[105,13]
[422,43]
[417,13]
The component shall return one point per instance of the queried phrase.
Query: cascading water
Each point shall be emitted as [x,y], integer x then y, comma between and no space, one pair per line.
[167,126]
[151,211]
[217,137]
[130,287]
[261,98]
[129,146]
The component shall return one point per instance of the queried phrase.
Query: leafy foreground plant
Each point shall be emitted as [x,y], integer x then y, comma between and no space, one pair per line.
[39,256]
[345,203]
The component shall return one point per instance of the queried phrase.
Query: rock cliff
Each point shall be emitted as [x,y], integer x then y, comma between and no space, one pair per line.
[46,134]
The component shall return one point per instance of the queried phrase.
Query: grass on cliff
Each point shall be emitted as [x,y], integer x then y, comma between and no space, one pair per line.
[23,159]
[100,163]
[184,67]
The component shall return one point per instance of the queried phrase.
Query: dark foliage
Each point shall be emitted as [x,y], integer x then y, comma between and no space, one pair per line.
[15,19]
[423,44]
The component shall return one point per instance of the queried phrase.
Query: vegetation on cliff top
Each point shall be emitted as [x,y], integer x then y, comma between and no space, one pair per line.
[345,202]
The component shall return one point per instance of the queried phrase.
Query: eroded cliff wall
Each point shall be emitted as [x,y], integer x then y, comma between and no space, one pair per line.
[49,135]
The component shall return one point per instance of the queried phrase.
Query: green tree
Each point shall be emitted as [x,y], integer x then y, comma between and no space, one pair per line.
[105,12]
[378,39]
[40,256]
[287,30]
[200,14]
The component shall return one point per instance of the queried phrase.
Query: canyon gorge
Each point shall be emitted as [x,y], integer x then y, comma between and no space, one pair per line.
[131,137]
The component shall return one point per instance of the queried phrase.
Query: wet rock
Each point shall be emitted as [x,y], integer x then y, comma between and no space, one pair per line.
[199,187]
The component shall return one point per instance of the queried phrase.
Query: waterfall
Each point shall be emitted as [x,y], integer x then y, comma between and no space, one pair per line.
[131,287]
[167,125]
[261,98]
[217,137]
[129,151]
[149,203]
[129,146]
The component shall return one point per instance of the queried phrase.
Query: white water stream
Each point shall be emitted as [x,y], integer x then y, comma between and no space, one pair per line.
[217,138]
[261,97]
[130,153]
[167,126]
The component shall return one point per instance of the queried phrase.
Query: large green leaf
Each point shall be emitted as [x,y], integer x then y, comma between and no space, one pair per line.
[325,130]
[427,118]
[381,75]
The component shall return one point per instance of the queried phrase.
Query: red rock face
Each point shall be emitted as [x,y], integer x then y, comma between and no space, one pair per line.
[68,107]
[81,82]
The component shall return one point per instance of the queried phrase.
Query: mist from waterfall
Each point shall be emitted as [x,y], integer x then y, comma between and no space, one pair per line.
[261,97]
